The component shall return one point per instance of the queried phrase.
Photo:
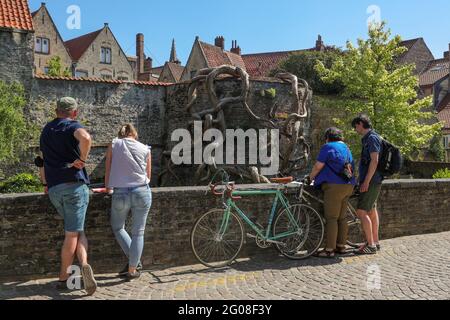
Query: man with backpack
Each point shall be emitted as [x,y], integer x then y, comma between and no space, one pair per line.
[370,180]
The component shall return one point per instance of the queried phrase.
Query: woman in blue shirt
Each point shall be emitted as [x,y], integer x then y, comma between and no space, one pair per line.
[327,175]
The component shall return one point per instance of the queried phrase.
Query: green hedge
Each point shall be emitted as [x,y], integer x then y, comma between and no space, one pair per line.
[442,174]
[22,183]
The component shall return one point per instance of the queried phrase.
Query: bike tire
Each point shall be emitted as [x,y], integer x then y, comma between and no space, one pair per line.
[212,220]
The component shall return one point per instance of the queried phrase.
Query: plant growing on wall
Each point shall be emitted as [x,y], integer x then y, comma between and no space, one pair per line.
[15,132]
[22,183]
[442,174]
[374,84]
[55,68]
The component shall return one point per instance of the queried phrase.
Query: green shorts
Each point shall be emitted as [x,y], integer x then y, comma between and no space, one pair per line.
[368,201]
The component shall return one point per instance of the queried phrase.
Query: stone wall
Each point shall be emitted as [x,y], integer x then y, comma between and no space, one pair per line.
[423,169]
[31,233]
[16,52]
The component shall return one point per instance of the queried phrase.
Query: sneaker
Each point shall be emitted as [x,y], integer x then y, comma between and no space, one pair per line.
[90,285]
[124,271]
[378,247]
[133,276]
[366,250]
[61,286]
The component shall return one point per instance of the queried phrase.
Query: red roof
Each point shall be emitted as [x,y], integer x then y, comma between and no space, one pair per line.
[78,46]
[444,116]
[146,83]
[435,71]
[216,57]
[176,70]
[15,14]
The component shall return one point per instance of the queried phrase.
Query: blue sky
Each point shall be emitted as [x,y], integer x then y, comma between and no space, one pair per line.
[258,25]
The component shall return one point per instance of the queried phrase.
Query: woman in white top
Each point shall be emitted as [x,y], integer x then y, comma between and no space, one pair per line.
[127,178]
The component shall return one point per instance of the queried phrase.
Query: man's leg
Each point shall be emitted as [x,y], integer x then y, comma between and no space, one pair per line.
[82,249]
[366,223]
[374,218]
[68,251]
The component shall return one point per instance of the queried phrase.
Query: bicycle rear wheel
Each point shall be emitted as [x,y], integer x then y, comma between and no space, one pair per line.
[308,229]
[356,236]
[217,238]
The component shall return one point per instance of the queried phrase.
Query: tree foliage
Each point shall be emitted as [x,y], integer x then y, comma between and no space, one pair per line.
[15,132]
[303,64]
[376,85]
[55,68]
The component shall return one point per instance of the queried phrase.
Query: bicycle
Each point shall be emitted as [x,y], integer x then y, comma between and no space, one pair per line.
[296,230]
[356,236]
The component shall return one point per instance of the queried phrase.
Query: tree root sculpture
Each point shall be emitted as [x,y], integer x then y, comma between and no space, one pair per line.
[295,155]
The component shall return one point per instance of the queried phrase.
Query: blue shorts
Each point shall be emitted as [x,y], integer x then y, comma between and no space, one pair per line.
[71,201]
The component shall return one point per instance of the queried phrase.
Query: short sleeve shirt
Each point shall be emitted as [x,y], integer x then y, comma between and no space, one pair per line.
[60,149]
[371,143]
[334,155]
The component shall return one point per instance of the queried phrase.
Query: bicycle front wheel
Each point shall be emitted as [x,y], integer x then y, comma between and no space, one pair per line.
[217,238]
[299,230]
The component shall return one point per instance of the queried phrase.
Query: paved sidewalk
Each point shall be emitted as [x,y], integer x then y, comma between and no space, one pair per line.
[415,267]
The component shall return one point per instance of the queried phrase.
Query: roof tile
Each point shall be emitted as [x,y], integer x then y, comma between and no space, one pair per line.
[435,71]
[15,14]
[78,46]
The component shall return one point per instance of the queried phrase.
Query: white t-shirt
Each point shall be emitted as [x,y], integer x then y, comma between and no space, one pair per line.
[129,164]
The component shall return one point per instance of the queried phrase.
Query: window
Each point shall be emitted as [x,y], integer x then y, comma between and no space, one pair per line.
[123,78]
[81,74]
[42,45]
[46,70]
[447,142]
[107,76]
[105,56]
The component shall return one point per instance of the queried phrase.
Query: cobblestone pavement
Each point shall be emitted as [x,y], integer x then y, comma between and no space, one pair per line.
[415,267]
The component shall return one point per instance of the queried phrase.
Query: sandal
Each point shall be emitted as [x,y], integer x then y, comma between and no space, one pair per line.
[325,254]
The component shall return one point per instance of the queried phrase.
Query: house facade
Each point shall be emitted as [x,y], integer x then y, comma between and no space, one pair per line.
[48,42]
[99,55]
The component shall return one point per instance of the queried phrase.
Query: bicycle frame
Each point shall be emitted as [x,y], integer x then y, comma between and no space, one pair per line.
[263,234]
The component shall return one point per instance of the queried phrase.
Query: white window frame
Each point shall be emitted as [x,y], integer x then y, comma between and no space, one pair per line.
[447,141]
[39,45]
[106,55]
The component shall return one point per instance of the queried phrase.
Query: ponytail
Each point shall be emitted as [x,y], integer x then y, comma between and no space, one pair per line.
[127,130]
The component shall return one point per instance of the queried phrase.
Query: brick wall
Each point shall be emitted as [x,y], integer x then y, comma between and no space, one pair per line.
[31,233]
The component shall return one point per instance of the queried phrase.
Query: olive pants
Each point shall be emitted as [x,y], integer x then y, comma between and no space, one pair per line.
[336,198]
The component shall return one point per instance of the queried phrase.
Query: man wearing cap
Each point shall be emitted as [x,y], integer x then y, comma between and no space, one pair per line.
[65,147]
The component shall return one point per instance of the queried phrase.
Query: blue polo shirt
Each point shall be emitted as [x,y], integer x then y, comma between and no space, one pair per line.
[334,155]
[371,143]
[60,149]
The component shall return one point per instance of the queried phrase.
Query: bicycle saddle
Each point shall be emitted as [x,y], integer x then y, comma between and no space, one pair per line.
[285,180]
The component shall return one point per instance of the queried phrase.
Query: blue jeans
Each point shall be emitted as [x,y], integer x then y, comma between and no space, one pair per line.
[138,201]
[71,200]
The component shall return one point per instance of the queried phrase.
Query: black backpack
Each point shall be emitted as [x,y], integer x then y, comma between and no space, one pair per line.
[391,159]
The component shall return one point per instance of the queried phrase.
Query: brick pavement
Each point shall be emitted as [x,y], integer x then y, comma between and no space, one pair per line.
[416,267]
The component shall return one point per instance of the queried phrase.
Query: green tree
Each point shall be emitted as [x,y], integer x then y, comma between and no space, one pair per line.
[55,68]
[376,85]
[15,132]
[303,64]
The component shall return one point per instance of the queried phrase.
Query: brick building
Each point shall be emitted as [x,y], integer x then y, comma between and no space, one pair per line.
[172,70]
[48,42]
[99,55]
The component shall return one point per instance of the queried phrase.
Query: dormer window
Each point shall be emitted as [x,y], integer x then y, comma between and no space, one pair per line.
[105,56]
[42,45]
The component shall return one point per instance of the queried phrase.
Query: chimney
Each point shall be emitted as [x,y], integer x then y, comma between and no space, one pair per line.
[140,54]
[235,48]
[42,4]
[319,43]
[220,42]
[148,64]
